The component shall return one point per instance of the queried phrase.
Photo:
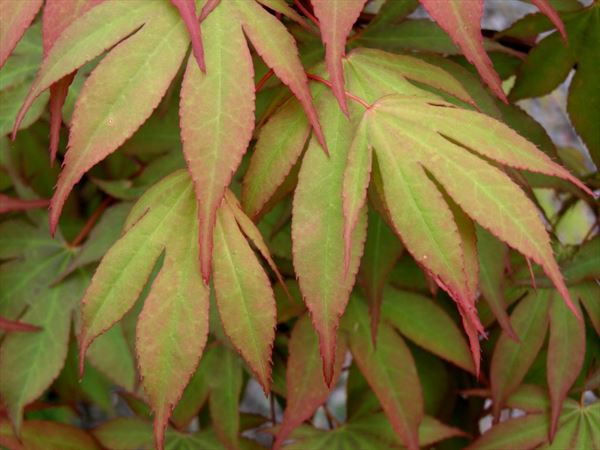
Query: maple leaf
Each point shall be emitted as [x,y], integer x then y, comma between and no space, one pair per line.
[163,221]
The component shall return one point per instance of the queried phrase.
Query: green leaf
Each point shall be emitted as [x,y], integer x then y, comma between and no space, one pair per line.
[566,352]
[244,296]
[306,389]
[427,325]
[493,256]
[29,362]
[111,355]
[275,154]
[526,432]
[47,435]
[194,396]
[583,103]
[382,251]
[390,370]
[10,101]
[126,267]
[173,325]
[225,394]
[588,294]
[217,117]
[317,230]
[120,94]
[511,360]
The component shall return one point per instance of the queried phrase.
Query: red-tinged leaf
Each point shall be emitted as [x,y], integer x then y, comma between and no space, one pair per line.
[11,204]
[15,325]
[304,378]
[386,73]
[187,9]
[317,231]
[566,352]
[251,232]
[523,433]
[493,256]
[58,95]
[468,179]
[546,8]
[511,360]
[356,181]
[120,95]
[462,21]
[471,324]
[492,139]
[126,267]
[274,155]
[422,218]
[427,325]
[217,118]
[86,38]
[277,47]
[47,435]
[173,325]
[15,18]
[58,15]
[382,250]
[336,18]
[224,396]
[244,296]
[30,362]
[389,369]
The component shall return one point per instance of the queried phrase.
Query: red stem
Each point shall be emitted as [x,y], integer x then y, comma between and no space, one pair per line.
[348,94]
[261,83]
[306,12]
[90,223]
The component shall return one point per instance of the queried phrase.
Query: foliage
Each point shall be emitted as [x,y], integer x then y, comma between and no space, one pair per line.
[375,220]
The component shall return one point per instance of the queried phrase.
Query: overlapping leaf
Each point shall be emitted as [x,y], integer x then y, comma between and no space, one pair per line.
[306,388]
[390,370]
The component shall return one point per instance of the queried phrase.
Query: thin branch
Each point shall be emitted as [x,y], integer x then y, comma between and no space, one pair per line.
[350,95]
[306,12]
[261,83]
[91,222]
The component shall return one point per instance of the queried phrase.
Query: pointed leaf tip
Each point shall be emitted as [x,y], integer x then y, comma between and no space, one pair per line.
[187,10]
[336,18]
[462,21]
[548,10]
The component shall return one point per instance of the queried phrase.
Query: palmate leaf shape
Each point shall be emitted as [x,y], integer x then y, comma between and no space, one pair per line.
[150,41]
[173,325]
[326,273]
[421,150]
